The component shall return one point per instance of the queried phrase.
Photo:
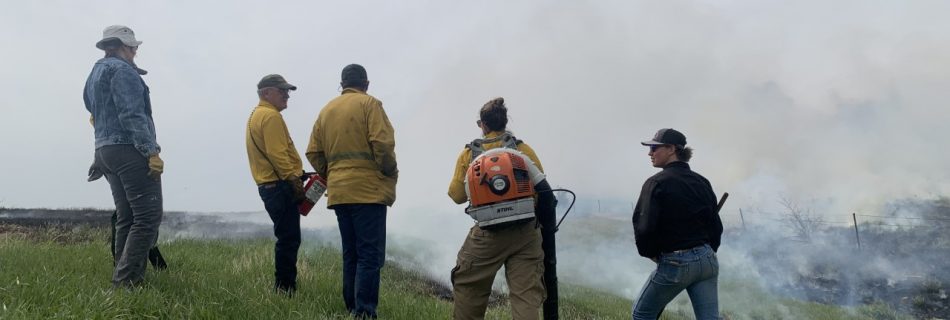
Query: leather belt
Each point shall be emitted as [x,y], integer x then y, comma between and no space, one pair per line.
[684,250]
[267,185]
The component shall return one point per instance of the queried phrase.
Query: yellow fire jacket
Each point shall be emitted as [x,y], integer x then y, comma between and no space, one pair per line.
[270,151]
[352,146]
[457,185]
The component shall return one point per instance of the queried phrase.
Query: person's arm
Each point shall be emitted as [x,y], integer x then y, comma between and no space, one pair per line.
[315,151]
[645,217]
[276,145]
[382,139]
[128,92]
[86,102]
[457,185]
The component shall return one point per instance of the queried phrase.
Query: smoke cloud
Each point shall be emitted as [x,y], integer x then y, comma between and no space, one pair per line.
[841,103]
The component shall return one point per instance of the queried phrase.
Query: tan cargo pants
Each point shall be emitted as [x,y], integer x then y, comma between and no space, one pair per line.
[518,248]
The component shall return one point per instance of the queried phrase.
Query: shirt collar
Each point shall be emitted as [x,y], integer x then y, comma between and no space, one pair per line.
[266,104]
[676,164]
[352,90]
[116,58]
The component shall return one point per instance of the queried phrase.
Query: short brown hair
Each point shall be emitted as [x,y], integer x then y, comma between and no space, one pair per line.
[683,153]
[494,114]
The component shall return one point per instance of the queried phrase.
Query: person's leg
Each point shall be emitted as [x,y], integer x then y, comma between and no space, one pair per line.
[123,218]
[661,287]
[523,270]
[115,217]
[704,294]
[547,218]
[137,232]
[287,230]
[550,274]
[156,259]
[344,219]
[119,232]
[278,201]
[369,221]
[474,272]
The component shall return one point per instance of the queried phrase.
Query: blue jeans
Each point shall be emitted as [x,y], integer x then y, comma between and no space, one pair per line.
[695,270]
[363,234]
[279,202]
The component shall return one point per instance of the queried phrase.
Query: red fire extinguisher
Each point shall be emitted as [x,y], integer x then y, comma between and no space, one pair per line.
[314,189]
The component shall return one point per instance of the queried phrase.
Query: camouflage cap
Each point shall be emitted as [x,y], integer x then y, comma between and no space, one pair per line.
[275,81]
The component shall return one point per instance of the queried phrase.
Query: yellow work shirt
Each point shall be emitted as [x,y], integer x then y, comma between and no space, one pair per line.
[457,185]
[353,146]
[270,151]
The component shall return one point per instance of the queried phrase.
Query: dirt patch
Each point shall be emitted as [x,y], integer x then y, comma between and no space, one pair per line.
[61,234]
[442,291]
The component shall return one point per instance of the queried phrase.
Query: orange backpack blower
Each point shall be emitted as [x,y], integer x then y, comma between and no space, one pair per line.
[500,186]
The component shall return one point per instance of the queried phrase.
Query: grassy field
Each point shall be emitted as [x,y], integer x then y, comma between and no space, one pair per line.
[64,273]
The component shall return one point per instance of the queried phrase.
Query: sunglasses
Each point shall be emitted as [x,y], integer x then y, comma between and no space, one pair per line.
[654,147]
[478,123]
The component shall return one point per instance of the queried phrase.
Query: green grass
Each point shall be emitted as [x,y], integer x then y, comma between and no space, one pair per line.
[65,273]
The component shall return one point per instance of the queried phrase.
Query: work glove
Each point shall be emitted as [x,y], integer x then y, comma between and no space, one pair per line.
[94,172]
[155,167]
[297,187]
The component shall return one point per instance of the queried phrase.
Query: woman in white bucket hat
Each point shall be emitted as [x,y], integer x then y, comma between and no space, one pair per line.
[126,151]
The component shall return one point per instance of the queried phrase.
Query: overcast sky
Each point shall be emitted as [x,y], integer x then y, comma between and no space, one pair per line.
[841,102]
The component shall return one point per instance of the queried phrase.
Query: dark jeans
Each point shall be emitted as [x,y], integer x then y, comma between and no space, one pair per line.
[363,233]
[279,202]
[138,204]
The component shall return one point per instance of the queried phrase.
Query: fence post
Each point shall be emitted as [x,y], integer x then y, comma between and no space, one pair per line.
[856,237]
[741,217]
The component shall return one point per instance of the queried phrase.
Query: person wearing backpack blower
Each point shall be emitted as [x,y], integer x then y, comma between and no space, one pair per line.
[277,169]
[515,244]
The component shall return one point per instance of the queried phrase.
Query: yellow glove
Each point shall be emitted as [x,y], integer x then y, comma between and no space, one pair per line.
[155,166]
[92,121]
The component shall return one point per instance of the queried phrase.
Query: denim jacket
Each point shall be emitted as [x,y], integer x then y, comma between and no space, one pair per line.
[118,100]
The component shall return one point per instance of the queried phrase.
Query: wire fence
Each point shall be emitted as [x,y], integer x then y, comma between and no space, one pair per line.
[790,219]
[805,223]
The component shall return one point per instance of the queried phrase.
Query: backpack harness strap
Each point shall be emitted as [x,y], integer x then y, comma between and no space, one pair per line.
[508,141]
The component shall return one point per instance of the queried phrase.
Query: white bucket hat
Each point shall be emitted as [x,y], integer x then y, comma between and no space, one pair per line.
[123,33]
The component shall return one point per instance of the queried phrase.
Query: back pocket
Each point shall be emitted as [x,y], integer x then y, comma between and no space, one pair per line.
[670,272]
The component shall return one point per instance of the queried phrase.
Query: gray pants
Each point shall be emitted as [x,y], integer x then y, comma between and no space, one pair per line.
[138,203]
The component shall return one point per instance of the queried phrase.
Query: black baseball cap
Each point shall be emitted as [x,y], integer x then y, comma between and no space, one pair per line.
[667,136]
[353,75]
[275,81]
